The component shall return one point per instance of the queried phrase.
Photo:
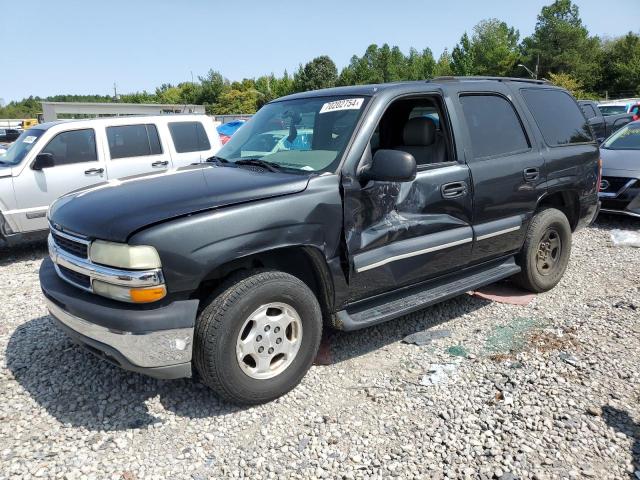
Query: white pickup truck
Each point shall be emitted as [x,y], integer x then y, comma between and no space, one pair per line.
[55,158]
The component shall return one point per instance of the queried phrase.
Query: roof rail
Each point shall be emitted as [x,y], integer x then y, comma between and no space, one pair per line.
[499,79]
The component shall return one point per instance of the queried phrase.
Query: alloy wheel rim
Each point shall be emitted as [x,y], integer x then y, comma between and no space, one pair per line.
[269,340]
[549,252]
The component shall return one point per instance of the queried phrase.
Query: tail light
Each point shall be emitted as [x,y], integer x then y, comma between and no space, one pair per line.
[599,174]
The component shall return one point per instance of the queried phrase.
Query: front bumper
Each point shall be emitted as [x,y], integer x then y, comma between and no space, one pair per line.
[156,341]
[622,193]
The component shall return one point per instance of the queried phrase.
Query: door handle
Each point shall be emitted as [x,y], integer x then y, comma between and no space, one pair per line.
[531,174]
[94,171]
[453,190]
[160,163]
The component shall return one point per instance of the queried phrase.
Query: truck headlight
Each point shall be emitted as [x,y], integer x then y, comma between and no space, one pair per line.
[121,255]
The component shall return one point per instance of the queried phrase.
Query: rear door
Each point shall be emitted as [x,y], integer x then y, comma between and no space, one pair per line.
[135,149]
[506,167]
[403,233]
[191,143]
[78,163]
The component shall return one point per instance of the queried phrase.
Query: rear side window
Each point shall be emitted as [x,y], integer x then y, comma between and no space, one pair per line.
[76,146]
[558,116]
[133,141]
[588,110]
[494,126]
[189,137]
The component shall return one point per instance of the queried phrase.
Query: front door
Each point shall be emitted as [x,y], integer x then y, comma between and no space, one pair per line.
[77,164]
[398,234]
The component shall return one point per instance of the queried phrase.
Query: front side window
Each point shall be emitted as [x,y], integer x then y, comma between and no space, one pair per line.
[558,116]
[308,134]
[75,146]
[494,126]
[189,137]
[133,141]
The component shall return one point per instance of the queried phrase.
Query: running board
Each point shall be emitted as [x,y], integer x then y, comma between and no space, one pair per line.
[415,298]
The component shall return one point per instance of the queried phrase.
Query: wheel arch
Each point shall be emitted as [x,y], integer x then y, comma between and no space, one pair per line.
[567,201]
[307,263]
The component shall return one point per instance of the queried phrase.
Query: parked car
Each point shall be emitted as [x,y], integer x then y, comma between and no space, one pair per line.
[603,125]
[234,267]
[9,134]
[620,186]
[226,130]
[614,108]
[51,159]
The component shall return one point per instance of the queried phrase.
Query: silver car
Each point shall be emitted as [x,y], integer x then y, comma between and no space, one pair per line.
[620,185]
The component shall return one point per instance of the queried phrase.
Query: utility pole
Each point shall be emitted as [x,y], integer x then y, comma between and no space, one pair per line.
[537,66]
[115,92]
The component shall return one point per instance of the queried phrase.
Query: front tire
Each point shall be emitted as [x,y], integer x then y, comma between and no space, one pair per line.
[257,338]
[545,254]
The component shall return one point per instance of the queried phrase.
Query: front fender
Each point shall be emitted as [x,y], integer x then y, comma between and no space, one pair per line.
[193,246]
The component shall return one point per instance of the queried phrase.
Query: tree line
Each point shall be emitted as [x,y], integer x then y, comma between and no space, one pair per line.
[560,50]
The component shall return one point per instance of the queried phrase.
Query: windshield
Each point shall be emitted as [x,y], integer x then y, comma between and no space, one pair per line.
[19,149]
[627,138]
[613,109]
[308,134]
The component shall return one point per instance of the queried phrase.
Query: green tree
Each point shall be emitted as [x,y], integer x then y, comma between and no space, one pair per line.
[321,72]
[495,48]
[236,101]
[462,61]
[560,43]
[621,66]
[443,66]
[419,66]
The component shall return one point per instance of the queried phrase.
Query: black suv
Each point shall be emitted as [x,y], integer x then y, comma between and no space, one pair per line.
[343,208]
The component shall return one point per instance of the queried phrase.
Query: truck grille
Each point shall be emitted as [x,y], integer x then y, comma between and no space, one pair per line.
[75,277]
[75,248]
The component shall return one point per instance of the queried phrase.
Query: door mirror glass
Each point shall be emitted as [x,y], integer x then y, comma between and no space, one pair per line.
[43,160]
[390,166]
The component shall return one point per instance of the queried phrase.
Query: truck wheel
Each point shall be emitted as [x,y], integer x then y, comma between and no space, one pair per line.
[257,338]
[546,251]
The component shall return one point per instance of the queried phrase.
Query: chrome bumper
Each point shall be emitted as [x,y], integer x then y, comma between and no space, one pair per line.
[161,348]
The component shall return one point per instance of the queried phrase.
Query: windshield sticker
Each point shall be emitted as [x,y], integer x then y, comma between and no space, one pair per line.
[29,139]
[346,104]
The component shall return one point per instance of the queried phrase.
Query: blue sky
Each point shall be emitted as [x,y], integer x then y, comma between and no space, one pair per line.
[73,46]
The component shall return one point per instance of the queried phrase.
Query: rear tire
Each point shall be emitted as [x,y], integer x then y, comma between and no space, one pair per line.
[545,254]
[257,338]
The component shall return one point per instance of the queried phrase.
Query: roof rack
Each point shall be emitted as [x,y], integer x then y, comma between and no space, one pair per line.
[499,79]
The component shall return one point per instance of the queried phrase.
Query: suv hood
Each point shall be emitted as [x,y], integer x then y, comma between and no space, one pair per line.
[116,209]
[5,170]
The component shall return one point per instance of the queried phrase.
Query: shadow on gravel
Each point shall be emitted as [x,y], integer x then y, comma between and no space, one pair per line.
[347,345]
[609,221]
[79,389]
[622,422]
[20,253]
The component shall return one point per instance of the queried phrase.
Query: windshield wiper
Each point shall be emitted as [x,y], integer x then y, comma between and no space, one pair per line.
[272,167]
[217,160]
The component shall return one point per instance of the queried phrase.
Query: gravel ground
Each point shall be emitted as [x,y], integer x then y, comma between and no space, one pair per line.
[548,390]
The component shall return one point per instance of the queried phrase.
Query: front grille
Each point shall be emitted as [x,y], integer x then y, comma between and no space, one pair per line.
[78,249]
[75,277]
[615,184]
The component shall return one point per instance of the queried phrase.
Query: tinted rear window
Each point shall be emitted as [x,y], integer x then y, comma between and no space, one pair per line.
[189,137]
[133,141]
[588,110]
[558,116]
[494,126]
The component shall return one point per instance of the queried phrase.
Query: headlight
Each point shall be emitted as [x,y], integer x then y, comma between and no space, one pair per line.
[121,255]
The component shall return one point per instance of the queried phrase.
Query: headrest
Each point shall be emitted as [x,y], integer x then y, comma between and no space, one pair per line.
[419,132]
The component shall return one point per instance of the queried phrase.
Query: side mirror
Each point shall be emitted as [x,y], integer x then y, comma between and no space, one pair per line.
[390,166]
[43,160]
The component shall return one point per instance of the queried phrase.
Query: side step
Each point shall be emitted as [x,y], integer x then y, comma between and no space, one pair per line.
[415,298]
